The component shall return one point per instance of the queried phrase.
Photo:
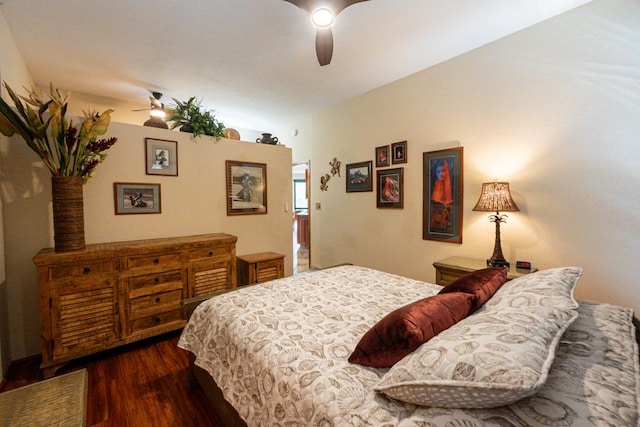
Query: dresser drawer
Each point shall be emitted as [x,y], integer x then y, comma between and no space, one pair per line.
[139,282]
[158,320]
[82,269]
[214,251]
[156,260]
[151,304]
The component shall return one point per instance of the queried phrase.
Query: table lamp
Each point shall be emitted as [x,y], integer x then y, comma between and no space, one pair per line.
[495,197]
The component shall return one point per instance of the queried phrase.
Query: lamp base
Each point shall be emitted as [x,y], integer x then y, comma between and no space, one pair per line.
[498,263]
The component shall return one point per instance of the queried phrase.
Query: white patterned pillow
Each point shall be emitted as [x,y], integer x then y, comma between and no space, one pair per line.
[489,359]
[551,288]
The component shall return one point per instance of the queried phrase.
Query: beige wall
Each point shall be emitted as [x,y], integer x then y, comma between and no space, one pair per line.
[12,69]
[192,203]
[553,109]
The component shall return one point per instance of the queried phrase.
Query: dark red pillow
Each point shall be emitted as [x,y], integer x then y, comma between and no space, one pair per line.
[482,284]
[405,329]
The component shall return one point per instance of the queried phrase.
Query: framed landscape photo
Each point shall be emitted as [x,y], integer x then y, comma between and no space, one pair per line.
[442,172]
[382,156]
[246,188]
[390,188]
[136,198]
[399,152]
[359,177]
[161,157]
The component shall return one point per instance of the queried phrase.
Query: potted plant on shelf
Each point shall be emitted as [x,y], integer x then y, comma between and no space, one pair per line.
[71,153]
[192,117]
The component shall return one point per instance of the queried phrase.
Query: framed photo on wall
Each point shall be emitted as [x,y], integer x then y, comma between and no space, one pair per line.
[399,152]
[390,188]
[136,198]
[359,177]
[442,172]
[246,188]
[382,156]
[161,157]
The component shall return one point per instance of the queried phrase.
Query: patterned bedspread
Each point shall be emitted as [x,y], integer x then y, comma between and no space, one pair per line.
[278,351]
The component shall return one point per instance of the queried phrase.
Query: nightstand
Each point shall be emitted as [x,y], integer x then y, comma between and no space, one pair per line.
[449,269]
[260,267]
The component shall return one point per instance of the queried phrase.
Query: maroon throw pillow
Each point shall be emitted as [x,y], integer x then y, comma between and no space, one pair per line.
[482,284]
[403,330]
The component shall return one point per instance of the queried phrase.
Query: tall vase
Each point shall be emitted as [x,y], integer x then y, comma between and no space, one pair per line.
[68,213]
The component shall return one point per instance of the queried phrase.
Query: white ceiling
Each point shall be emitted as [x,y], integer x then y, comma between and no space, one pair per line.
[252,61]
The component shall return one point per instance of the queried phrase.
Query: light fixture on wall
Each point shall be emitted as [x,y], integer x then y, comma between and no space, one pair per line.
[157,113]
[496,197]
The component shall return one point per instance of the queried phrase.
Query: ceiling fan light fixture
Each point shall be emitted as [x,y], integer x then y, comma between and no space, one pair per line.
[322,17]
[157,113]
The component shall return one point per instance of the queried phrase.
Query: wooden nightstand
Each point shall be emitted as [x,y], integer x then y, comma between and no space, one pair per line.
[449,269]
[260,267]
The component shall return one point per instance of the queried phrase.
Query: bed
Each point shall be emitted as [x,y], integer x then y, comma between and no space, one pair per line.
[278,354]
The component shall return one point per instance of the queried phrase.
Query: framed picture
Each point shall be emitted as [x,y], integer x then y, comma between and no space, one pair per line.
[136,198]
[359,177]
[246,188]
[162,157]
[390,188]
[382,156]
[442,204]
[399,152]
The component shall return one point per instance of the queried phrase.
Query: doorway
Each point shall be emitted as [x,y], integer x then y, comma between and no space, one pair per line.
[301,218]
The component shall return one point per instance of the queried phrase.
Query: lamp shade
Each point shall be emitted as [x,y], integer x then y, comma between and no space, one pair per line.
[496,197]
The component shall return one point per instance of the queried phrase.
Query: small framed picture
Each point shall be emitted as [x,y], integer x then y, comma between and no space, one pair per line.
[399,152]
[390,188]
[162,157]
[136,198]
[442,172]
[359,177]
[382,156]
[246,188]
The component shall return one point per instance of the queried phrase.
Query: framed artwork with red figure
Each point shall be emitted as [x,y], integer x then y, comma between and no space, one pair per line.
[390,188]
[442,172]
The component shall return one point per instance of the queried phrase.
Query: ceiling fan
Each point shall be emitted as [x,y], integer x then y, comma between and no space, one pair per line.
[323,14]
[156,112]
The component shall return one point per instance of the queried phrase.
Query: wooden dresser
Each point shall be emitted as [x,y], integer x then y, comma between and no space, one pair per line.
[112,294]
[260,267]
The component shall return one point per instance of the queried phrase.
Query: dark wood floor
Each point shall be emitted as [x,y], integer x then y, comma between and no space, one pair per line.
[143,384]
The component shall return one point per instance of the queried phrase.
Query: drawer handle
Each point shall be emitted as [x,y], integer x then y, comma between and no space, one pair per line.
[156,261]
[210,253]
[86,270]
[157,300]
[156,320]
[156,280]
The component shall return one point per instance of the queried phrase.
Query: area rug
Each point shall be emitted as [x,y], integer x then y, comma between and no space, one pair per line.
[58,401]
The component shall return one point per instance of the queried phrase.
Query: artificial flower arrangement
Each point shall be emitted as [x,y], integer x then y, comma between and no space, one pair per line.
[65,149]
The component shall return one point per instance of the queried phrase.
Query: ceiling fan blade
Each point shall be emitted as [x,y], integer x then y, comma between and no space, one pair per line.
[324,45]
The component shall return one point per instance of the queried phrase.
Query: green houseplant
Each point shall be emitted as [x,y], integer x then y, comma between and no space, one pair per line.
[71,153]
[192,117]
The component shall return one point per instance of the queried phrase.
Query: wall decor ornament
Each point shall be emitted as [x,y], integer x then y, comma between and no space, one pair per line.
[246,188]
[69,150]
[442,172]
[324,182]
[335,166]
